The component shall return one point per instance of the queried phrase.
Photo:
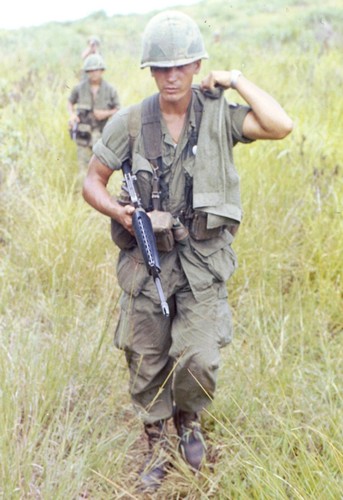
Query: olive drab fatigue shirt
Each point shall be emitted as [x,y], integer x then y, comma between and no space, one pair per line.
[203,262]
[106,98]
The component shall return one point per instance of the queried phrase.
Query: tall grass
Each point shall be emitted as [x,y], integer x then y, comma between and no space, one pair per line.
[275,427]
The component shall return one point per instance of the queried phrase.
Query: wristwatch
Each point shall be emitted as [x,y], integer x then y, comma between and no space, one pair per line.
[235,74]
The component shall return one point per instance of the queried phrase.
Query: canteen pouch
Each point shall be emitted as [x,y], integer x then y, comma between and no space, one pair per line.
[165,241]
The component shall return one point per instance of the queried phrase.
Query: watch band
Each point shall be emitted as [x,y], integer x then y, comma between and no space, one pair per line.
[235,74]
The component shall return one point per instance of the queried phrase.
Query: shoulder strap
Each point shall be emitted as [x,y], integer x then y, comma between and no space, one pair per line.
[134,124]
[198,108]
[151,128]
[152,141]
[144,118]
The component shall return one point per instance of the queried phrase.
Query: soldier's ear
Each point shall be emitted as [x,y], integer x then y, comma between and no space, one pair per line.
[197,66]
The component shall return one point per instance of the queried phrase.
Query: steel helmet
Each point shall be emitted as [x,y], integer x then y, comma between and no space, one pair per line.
[172,39]
[94,62]
[94,39]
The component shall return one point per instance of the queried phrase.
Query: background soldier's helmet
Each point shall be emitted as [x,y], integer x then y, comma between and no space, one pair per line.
[93,39]
[94,62]
[172,39]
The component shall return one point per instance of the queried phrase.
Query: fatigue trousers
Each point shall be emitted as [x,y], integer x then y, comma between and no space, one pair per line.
[171,360]
[84,154]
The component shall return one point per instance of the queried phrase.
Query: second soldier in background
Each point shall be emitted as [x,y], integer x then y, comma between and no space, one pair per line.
[91,103]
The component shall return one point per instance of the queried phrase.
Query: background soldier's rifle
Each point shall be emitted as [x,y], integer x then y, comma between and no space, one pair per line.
[73,131]
[144,235]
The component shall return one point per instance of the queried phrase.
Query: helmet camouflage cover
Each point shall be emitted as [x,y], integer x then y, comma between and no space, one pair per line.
[94,62]
[172,39]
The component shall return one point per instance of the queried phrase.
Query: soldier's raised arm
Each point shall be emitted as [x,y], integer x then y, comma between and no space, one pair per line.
[267,119]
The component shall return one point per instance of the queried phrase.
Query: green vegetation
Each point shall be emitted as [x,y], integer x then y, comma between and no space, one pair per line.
[275,427]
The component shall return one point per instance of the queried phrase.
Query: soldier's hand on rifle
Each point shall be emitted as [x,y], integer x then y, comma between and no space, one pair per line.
[124,216]
[73,120]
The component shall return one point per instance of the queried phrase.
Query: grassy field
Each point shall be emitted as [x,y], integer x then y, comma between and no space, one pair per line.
[275,428]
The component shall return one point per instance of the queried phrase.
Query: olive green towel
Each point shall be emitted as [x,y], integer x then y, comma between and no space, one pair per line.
[215,179]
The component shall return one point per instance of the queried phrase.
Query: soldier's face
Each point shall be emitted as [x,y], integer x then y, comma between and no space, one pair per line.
[175,83]
[95,76]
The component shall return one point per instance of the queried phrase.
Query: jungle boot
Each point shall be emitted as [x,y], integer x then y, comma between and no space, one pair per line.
[156,465]
[192,443]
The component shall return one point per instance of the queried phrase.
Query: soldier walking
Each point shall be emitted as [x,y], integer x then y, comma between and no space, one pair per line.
[180,143]
[91,103]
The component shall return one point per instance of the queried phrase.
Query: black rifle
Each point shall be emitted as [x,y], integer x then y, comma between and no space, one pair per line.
[144,234]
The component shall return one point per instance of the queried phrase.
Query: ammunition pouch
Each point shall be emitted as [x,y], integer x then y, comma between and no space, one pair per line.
[83,136]
[162,223]
[125,241]
[162,229]
[198,227]
[165,240]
